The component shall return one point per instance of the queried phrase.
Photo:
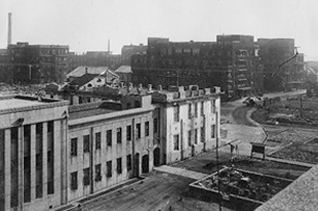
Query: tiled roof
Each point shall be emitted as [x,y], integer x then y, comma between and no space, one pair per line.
[82,70]
[124,69]
[83,80]
[302,195]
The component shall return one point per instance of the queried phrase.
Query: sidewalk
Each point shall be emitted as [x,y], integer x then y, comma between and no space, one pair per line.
[181,172]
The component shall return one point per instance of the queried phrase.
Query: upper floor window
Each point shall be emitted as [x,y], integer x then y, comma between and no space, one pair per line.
[147,128]
[119,135]
[74,146]
[109,137]
[176,113]
[86,143]
[138,130]
[97,140]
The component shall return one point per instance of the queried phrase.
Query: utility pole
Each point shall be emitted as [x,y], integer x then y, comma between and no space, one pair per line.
[217,159]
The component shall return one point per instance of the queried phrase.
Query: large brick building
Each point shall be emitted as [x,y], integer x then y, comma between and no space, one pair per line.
[38,63]
[95,59]
[231,63]
[282,68]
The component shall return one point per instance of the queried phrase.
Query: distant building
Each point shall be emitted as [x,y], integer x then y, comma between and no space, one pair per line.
[38,63]
[5,67]
[125,74]
[128,50]
[282,69]
[231,63]
[95,59]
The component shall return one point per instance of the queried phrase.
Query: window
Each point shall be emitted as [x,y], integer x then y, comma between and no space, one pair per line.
[202,134]
[138,130]
[97,140]
[196,109]
[202,108]
[176,113]
[147,128]
[196,136]
[74,180]
[74,146]
[176,142]
[98,176]
[119,135]
[213,106]
[109,169]
[86,143]
[212,131]
[128,133]
[119,167]
[109,137]
[86,177]
[189,111]
[128,162]
[155,125]
[189,138]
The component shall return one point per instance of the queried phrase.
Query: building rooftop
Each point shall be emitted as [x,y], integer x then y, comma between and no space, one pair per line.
[19,103]
[82,70]
[92,109]
[124,69]
[84,79]
[302,194]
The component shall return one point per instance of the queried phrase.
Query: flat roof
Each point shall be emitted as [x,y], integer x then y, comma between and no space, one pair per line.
[18,103]
[88,113]
[23,103]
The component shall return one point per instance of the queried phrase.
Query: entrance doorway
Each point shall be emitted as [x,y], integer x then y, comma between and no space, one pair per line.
[145,164]
[156,155]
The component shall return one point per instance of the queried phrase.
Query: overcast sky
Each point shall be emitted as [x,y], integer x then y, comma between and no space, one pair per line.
[88,24]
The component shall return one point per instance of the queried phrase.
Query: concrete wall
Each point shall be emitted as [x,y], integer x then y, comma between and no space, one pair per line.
[40,114]
[186,124]
[143,146]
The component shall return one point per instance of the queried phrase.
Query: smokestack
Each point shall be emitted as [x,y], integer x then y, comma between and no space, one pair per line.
[9,29]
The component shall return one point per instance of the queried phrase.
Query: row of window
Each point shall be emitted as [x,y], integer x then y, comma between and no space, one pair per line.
[176,110]
[86,138]
[98,172]
[176,142]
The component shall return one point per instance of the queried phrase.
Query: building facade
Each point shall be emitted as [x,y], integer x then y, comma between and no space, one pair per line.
[38,63]
[53,153]
[283,66]
[230,63]
[189,121]
[33,153]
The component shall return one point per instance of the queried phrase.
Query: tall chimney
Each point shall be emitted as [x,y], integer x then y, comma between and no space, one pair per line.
[9,29]
[108,46]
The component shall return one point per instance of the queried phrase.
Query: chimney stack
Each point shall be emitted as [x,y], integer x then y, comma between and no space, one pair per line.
[9,28]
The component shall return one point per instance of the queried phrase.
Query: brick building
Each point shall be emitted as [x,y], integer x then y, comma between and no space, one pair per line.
[38,63]
[278,75]
[128,50]
[95,59]
[230,63]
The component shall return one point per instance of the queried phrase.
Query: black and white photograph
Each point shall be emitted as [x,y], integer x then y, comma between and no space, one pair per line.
[158,105]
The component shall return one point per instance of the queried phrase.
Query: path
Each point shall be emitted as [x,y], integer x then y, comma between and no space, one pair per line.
[181,172]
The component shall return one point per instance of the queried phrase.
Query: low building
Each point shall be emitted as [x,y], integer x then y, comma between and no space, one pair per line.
[108,145]
[54,153]
[189,121]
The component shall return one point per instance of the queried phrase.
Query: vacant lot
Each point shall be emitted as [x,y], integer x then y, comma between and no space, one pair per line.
[303,152]
[206,163]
